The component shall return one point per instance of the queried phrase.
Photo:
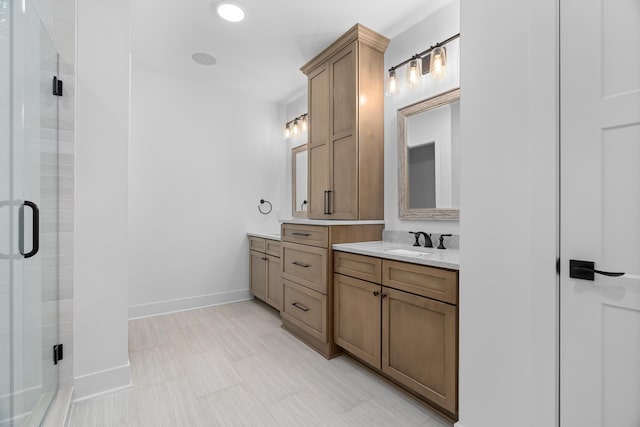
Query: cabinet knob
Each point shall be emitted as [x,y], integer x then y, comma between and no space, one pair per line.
[384,295]
[376,293]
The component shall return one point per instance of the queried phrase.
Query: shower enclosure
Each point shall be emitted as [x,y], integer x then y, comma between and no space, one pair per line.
[29,210]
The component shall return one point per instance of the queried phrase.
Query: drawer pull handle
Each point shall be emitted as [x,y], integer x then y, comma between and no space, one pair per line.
[300,234]
[299,264]
[300,306]
[376,293]
[265,259]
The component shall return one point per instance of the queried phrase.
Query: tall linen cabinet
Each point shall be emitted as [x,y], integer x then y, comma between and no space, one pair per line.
[346,127]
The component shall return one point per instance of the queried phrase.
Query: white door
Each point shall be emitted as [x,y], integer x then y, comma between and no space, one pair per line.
[600,212]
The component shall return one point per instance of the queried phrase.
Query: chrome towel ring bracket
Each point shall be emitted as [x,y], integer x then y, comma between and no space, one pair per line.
[270,208]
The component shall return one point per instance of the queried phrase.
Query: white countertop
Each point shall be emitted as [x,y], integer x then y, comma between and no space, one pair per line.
[443,258]
[271,236]
[308,221]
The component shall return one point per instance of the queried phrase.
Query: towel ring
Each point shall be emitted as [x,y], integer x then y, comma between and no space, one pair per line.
[262,202]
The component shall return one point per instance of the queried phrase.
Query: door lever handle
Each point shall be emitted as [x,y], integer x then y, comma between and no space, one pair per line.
[586,270]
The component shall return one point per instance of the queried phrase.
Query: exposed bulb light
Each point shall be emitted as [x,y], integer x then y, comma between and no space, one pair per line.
[230,12]
[437,68]
[295,132]
[392,83]
[305,124]
[287,131]
[414,72]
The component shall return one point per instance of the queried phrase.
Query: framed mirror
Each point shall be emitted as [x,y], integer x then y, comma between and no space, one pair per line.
[429,158]
[299,180]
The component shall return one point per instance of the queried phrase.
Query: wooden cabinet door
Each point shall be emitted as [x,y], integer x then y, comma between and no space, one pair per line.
[357,318]
[343,162]
[274,282]
[258,274]
[318,185]
[319,141]
[419,345]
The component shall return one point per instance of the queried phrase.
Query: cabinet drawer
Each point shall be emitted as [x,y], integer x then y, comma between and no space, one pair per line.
[430,282]
[273,247]
[257,244]
[305,265]
[305,308]
[358,266]
[313,235]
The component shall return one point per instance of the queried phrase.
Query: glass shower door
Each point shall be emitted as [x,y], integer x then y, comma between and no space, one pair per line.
[31,201]
[5,217]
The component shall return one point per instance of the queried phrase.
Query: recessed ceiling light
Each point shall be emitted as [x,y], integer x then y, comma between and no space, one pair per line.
[230,12]
[203,58]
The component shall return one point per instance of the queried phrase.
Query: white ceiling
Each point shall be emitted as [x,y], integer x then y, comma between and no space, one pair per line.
[263,54]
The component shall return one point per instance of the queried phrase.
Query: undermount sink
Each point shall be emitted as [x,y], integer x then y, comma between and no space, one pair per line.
[407,252]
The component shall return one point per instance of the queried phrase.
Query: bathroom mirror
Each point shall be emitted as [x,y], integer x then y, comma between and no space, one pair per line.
[299,180]
[429,158]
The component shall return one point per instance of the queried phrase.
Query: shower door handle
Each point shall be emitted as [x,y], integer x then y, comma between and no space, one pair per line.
[35,224]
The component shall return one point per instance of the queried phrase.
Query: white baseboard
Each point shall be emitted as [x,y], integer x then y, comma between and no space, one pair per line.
[191,303]
[102,382]
[458,424]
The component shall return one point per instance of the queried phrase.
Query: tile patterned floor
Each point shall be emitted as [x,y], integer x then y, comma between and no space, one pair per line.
[233,365]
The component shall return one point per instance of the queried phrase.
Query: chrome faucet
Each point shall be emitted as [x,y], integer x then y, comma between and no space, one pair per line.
[427,239]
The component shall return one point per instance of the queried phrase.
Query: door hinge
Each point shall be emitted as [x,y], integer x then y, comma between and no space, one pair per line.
[58,353]
[558,266]
[57,86]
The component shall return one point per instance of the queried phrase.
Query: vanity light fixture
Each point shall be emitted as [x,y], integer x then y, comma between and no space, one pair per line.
[432,61]
[295,127]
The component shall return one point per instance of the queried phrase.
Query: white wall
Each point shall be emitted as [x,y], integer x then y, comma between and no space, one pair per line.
[201,158]
[508,214]
[101,360]
[437,27]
